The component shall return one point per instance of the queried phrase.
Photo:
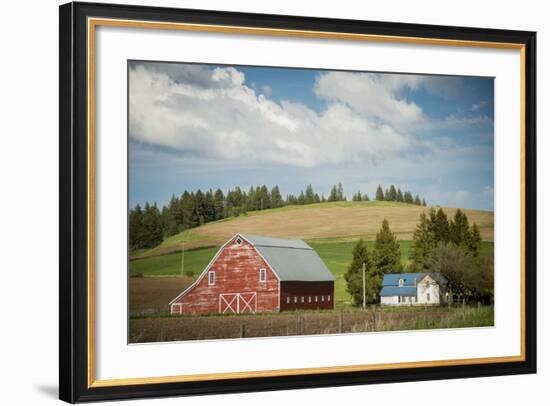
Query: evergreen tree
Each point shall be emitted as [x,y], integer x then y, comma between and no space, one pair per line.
[379,193]
[357,197]
[474,244]
[218,204]
[188,212]
[209,210]
[136,228]
[333,196]
[365,198]
[171,217]
[276,198]
[408,198]
[439,225]
[392,194]
[263,196]
[309,195]
[152,225]
[200,207]
[387,253]
[399,195]
[354,275]
[423,202]
[423,244]
[459,229]
[340,192]
[417,201]
[387,195]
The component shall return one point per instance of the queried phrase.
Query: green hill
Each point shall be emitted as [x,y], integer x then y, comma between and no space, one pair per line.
[336,221]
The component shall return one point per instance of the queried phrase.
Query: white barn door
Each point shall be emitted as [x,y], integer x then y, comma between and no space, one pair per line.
[237,302]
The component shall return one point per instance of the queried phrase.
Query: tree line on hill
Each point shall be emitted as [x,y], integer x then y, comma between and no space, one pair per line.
[451,247]
[392,194]
[148,226]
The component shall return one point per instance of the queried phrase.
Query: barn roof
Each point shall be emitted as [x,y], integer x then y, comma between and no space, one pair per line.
[291,260]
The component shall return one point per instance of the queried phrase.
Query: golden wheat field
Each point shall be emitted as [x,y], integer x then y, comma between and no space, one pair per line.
[340,220]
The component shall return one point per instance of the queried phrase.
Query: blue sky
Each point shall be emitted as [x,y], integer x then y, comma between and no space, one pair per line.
[207,126]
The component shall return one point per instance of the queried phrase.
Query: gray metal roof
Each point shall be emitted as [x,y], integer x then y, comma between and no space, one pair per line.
[291,260]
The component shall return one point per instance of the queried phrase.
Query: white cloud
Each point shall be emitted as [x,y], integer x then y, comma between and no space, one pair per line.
[373,95]
[213,114]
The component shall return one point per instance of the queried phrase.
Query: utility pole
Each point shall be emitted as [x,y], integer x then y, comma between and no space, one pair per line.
[364,290]
[182,257]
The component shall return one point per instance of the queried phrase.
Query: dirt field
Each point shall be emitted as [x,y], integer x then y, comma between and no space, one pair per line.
[181,328]
[152,295]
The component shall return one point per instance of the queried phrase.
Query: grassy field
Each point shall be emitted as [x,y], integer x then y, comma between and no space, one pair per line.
[194,261]
[337,255]
[179,328]
[341,220]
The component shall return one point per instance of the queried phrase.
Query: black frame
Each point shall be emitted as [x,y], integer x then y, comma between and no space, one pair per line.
[73,196]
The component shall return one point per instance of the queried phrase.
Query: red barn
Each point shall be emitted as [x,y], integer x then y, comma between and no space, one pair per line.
[252,274]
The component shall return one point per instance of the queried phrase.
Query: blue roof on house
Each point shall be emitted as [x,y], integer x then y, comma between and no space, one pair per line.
[409,279]
[390,283]
[398,291]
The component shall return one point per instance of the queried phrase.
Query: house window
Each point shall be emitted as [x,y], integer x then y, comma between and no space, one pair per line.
[400,299]
[288,299]
[427,297]
[263,275]
[401,282]
[211,278]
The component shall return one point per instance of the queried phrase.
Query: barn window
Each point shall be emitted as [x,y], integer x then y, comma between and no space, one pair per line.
[302,299]
[316,299]
[211,278]
[263,275]
[309,299]
[328,298]
[239,241]
[295,299]
[322,298]
[288,299]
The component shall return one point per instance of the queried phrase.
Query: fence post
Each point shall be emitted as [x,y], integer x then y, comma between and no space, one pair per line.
[299,323]
[341,321]
[374,318]
[478,305]
[242,330]
[463,307]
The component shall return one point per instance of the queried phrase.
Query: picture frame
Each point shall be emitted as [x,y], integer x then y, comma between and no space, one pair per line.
[78,381]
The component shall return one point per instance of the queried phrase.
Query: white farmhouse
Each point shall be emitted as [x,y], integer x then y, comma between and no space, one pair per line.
[407,289]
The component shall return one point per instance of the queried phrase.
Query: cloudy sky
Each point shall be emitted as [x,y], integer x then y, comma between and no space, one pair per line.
[207,126]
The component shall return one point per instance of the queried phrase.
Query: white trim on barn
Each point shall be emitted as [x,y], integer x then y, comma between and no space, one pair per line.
[220,250]
[175,306]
